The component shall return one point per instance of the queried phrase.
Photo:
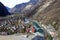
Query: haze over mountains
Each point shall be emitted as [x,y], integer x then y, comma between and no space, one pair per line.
[7,8]
[25,7]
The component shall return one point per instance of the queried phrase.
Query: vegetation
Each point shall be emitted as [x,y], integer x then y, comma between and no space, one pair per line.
[49,37]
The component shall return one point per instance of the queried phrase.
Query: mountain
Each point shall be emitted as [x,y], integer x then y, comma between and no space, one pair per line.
[33,1]
[18,8]
[25,7]
[3,10]
[49,14]
[7,8]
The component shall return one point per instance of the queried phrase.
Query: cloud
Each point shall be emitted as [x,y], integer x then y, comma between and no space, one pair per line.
[12,3]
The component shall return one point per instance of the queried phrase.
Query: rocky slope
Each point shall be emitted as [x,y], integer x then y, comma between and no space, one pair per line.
[25,7]
[7,8]
[49,13]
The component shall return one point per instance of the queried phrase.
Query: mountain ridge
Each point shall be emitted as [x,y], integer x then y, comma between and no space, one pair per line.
[22,8]
[3,10]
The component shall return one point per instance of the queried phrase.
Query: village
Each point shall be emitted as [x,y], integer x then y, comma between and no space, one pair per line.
[18,25]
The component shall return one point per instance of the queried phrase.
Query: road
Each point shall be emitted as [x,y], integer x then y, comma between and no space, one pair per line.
[16,37]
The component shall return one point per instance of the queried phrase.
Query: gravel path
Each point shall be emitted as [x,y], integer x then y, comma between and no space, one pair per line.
[16,37]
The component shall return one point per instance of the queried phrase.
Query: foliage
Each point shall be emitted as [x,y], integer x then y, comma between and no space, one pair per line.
[22,30]
[49,37]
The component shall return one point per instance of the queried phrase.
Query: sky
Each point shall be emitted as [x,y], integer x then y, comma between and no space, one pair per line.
[12,3]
